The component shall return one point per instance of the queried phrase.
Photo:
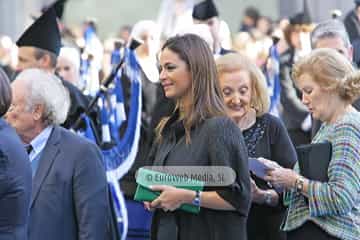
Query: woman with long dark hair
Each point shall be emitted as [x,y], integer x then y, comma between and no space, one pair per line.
[198,133]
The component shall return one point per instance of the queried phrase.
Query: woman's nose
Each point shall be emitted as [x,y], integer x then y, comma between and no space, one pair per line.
[236,99]
[305,99]
[162,74]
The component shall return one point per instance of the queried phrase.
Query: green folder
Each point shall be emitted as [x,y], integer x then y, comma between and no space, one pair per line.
[146,178]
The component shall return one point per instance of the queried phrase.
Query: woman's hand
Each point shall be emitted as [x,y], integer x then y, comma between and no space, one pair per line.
[171,198]
[148,207]
[256,193]
[282,177]
[270,164]
[269,197]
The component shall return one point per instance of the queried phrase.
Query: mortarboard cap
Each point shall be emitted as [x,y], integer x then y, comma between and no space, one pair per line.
[299,19]
[59,8]
[302,18]
[43,33]
[205,10]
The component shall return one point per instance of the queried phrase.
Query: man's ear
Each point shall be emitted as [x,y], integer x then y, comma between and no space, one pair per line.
[45,61]
[38,111]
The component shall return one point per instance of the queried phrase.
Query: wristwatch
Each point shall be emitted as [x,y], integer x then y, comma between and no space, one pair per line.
[299,184]
[196,201]
[268,198]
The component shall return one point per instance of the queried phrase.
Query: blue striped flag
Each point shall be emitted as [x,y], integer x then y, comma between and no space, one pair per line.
[115,57]
[273,80]
[84,71]
[119,159]
[87,131]
[116,108]
[127,145]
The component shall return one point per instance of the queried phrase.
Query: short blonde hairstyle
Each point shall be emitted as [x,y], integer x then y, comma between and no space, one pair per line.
[332,71]
[234,62]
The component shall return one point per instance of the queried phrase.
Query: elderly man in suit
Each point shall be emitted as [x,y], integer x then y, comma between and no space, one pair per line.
[15,175]
[69,196]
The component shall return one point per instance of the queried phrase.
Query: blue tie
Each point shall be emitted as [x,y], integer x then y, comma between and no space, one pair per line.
[34,164]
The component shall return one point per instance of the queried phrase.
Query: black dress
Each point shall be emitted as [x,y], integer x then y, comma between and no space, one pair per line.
[268,138]
[215,142]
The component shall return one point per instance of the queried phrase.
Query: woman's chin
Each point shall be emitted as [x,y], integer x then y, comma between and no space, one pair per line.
[168,94]
[315,116]
[238,116]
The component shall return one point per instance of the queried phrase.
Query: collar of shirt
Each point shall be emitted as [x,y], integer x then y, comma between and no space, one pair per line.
[39,142]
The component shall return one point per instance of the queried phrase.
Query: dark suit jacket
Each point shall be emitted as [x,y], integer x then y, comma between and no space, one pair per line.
[15,185]
[352,25]
[69,198]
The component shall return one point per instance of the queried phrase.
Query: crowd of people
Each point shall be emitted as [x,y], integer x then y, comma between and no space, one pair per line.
[209,98]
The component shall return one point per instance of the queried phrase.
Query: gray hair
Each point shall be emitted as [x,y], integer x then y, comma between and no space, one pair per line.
[47,89]
[330,29]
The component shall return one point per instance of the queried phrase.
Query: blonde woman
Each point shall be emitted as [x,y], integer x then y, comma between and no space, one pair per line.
[326,210]
[246,97]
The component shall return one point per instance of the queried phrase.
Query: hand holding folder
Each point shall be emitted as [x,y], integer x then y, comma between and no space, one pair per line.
[146,178]
[259,167]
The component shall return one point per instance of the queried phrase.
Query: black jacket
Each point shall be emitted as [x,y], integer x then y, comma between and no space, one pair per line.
[215,142]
